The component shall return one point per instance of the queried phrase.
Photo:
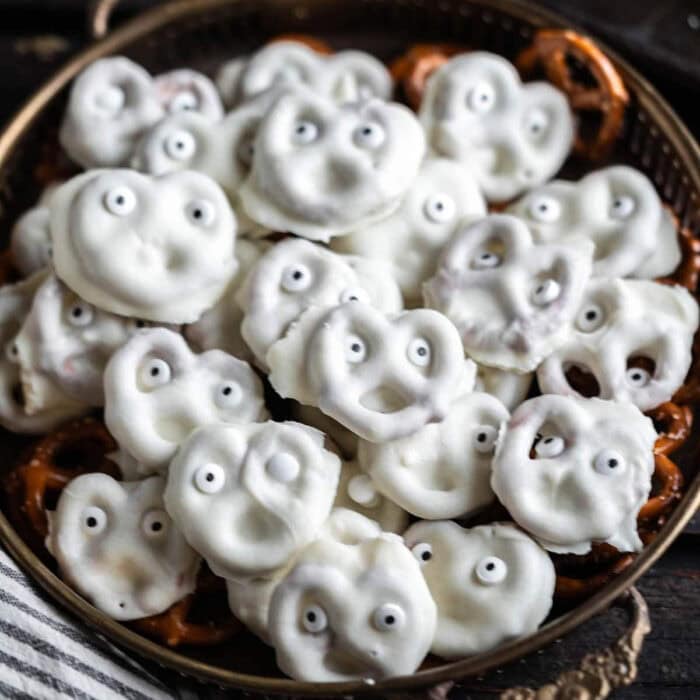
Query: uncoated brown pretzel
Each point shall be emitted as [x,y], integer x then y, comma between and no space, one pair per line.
[676,422]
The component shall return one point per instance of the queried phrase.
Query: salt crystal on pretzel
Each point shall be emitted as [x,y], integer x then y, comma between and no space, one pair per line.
[442,470]
[157,248]
[574,471]
[513,136]
[381,376]
[632,338]
[187,90]
[321,169]
[491,584]
[31,237]
[116,545]
[618,209]
[295,275]
[443,195]
[512,299]
[248,497]
[157,391]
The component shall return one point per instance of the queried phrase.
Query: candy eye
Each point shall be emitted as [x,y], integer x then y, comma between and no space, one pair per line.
[305,133]
[354,294]
[485,439]
[201,212]
[418,352]
[638,377]
[546,292]
[111,100]
[361,490]
[491,570]
[94,520]
[155,373]
[314,619]
[422,551]
[12,351]
[370,135]
[120,201]
[184,101]
[481,98]
[545,209]
[355,349]
[296,278]
[228,395]
[210,478]
[549,446]
[590,318]
[283,467]
[609,462]
[486,260]
[155,523]
[80,314]
[622,207]
[180,145]
[536,123]
[389,617]
[439,208]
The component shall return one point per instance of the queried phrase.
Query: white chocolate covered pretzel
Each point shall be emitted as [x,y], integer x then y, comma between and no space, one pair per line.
[157,391]
[491,584]
[511,299]
[510,388]
[513,136]
[31,237]
[116,545]
[574,471]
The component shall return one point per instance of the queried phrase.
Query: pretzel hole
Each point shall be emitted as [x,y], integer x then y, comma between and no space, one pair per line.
[18,394]
[582,380]
[580,73]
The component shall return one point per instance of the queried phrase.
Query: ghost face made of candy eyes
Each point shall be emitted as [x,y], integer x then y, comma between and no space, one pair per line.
[441,197]
[383,377]
[157,391]
[186,90]
[512,300]
[631,341]
[295,275]
[322,169]
[352,611]
[444,469]
[574,471]
[161,249]
[248,497]
[618,209]
[112,102]
[491,584]
[117,546]
[513,136]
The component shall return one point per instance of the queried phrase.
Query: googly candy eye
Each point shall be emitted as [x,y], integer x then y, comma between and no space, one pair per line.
[370,135]
[637,377]
[201,212]
[544,209]
[590,318]
[210,478]
[183,102]
[305,132]
[94,520]
[80,314]
[546,292]
[549,446]
[481,98]
[622,207]
[228,395]
[536,123]
[180,145]
[354,294]
[485,439]
[283,467]
[296,278]
[389,617]
[439,208]
[609,462]
[155,523]
[491,570]
[422,551]
[154,373]
[355,349]
[486,260]
[314,619]
[120,201]
[419,352]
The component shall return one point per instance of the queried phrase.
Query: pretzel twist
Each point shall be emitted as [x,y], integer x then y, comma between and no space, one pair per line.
[676,422]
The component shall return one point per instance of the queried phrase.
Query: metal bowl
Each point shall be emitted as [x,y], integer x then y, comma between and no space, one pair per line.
[203,33]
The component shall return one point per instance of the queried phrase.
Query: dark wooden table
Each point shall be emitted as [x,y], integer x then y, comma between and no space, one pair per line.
[663,40]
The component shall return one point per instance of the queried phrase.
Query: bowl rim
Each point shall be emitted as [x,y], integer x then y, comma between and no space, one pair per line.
[688,153]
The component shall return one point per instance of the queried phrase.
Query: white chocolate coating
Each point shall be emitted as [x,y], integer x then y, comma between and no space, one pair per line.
[511,299]
[157,391]
[618,322]
[444,469]
[322,170]
[30,242]
[510,388]
[441,198]
[345,440]
[248,497]
[161,249]
[383,377]
[513,136]
[351,611]
[295,275]
[186,90]
[618,209]
[116,545]
[588,476]
[112,102]
[491,584]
